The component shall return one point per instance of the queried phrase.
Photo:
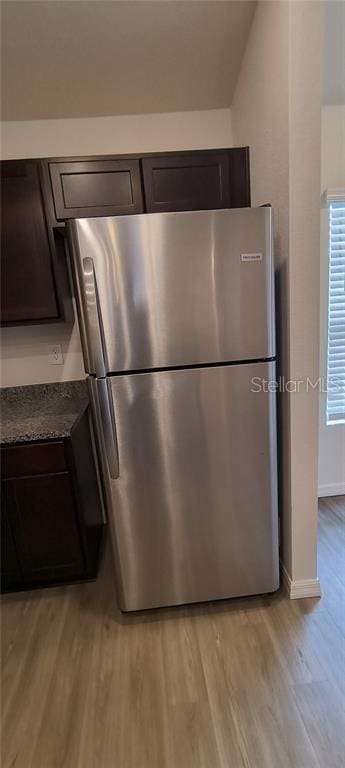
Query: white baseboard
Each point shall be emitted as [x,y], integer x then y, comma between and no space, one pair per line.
[300,588]
[331,489]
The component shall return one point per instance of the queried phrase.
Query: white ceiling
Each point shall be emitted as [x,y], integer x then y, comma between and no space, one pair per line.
[77,58]
[334,74]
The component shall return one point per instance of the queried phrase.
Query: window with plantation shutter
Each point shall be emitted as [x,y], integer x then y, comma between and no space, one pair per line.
[336,311]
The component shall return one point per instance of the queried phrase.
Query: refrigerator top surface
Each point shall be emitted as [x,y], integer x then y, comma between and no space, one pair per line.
[175,289]
[175,218]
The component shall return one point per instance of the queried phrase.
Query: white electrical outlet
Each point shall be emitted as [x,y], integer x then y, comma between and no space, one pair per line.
[55,355]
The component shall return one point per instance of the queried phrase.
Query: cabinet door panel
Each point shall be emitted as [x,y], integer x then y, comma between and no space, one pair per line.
[27,286]
[197,180]
[194,181]
[11,575]
[96,188]
[45,526]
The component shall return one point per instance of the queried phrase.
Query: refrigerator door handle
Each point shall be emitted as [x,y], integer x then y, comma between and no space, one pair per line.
[93,318]
[109,427]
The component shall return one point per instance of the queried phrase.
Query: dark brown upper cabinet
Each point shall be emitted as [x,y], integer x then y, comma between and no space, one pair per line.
[34,284]
[96,188]
[189,181]
[27,284]
[176,181]
[38,195]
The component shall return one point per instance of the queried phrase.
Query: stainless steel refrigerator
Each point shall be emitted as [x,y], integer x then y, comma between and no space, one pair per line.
[176,314]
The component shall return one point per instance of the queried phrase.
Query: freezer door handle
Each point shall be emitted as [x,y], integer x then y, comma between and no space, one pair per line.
[108,427]
[93,318]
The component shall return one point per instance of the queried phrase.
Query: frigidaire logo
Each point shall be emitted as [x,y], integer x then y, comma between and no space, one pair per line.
[251,256]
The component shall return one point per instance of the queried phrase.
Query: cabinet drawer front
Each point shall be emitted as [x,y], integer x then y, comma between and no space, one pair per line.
[96,188]
[32,459]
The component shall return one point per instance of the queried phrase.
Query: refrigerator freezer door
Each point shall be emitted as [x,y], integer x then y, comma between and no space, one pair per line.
[193,512]
[175,289]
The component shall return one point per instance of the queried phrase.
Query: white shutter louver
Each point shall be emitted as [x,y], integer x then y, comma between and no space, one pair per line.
[336,313]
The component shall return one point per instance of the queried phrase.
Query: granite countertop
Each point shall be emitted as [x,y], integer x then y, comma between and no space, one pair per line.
[41,411]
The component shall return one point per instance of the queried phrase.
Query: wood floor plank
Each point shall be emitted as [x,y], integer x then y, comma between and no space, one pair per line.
[257,694]
[323,712]
[184,678]
[191,740]
[68,685]
[249,683]
[27,674]
[228,735]
[293,642]
[18,613]
[273,730]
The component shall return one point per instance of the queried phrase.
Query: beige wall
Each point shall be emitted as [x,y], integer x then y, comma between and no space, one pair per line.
[24,354]
[305,94]
[277,111]
[331,438]
[117,135]
[260,112]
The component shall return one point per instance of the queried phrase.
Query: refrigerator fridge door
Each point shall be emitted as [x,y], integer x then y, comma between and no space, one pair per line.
[193,506]
[174,289]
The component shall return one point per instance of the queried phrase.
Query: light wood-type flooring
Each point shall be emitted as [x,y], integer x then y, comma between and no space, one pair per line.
[255,683]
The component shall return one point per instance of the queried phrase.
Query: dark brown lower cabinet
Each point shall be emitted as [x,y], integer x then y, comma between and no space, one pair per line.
[51,526]
[11,574]
[44,522]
